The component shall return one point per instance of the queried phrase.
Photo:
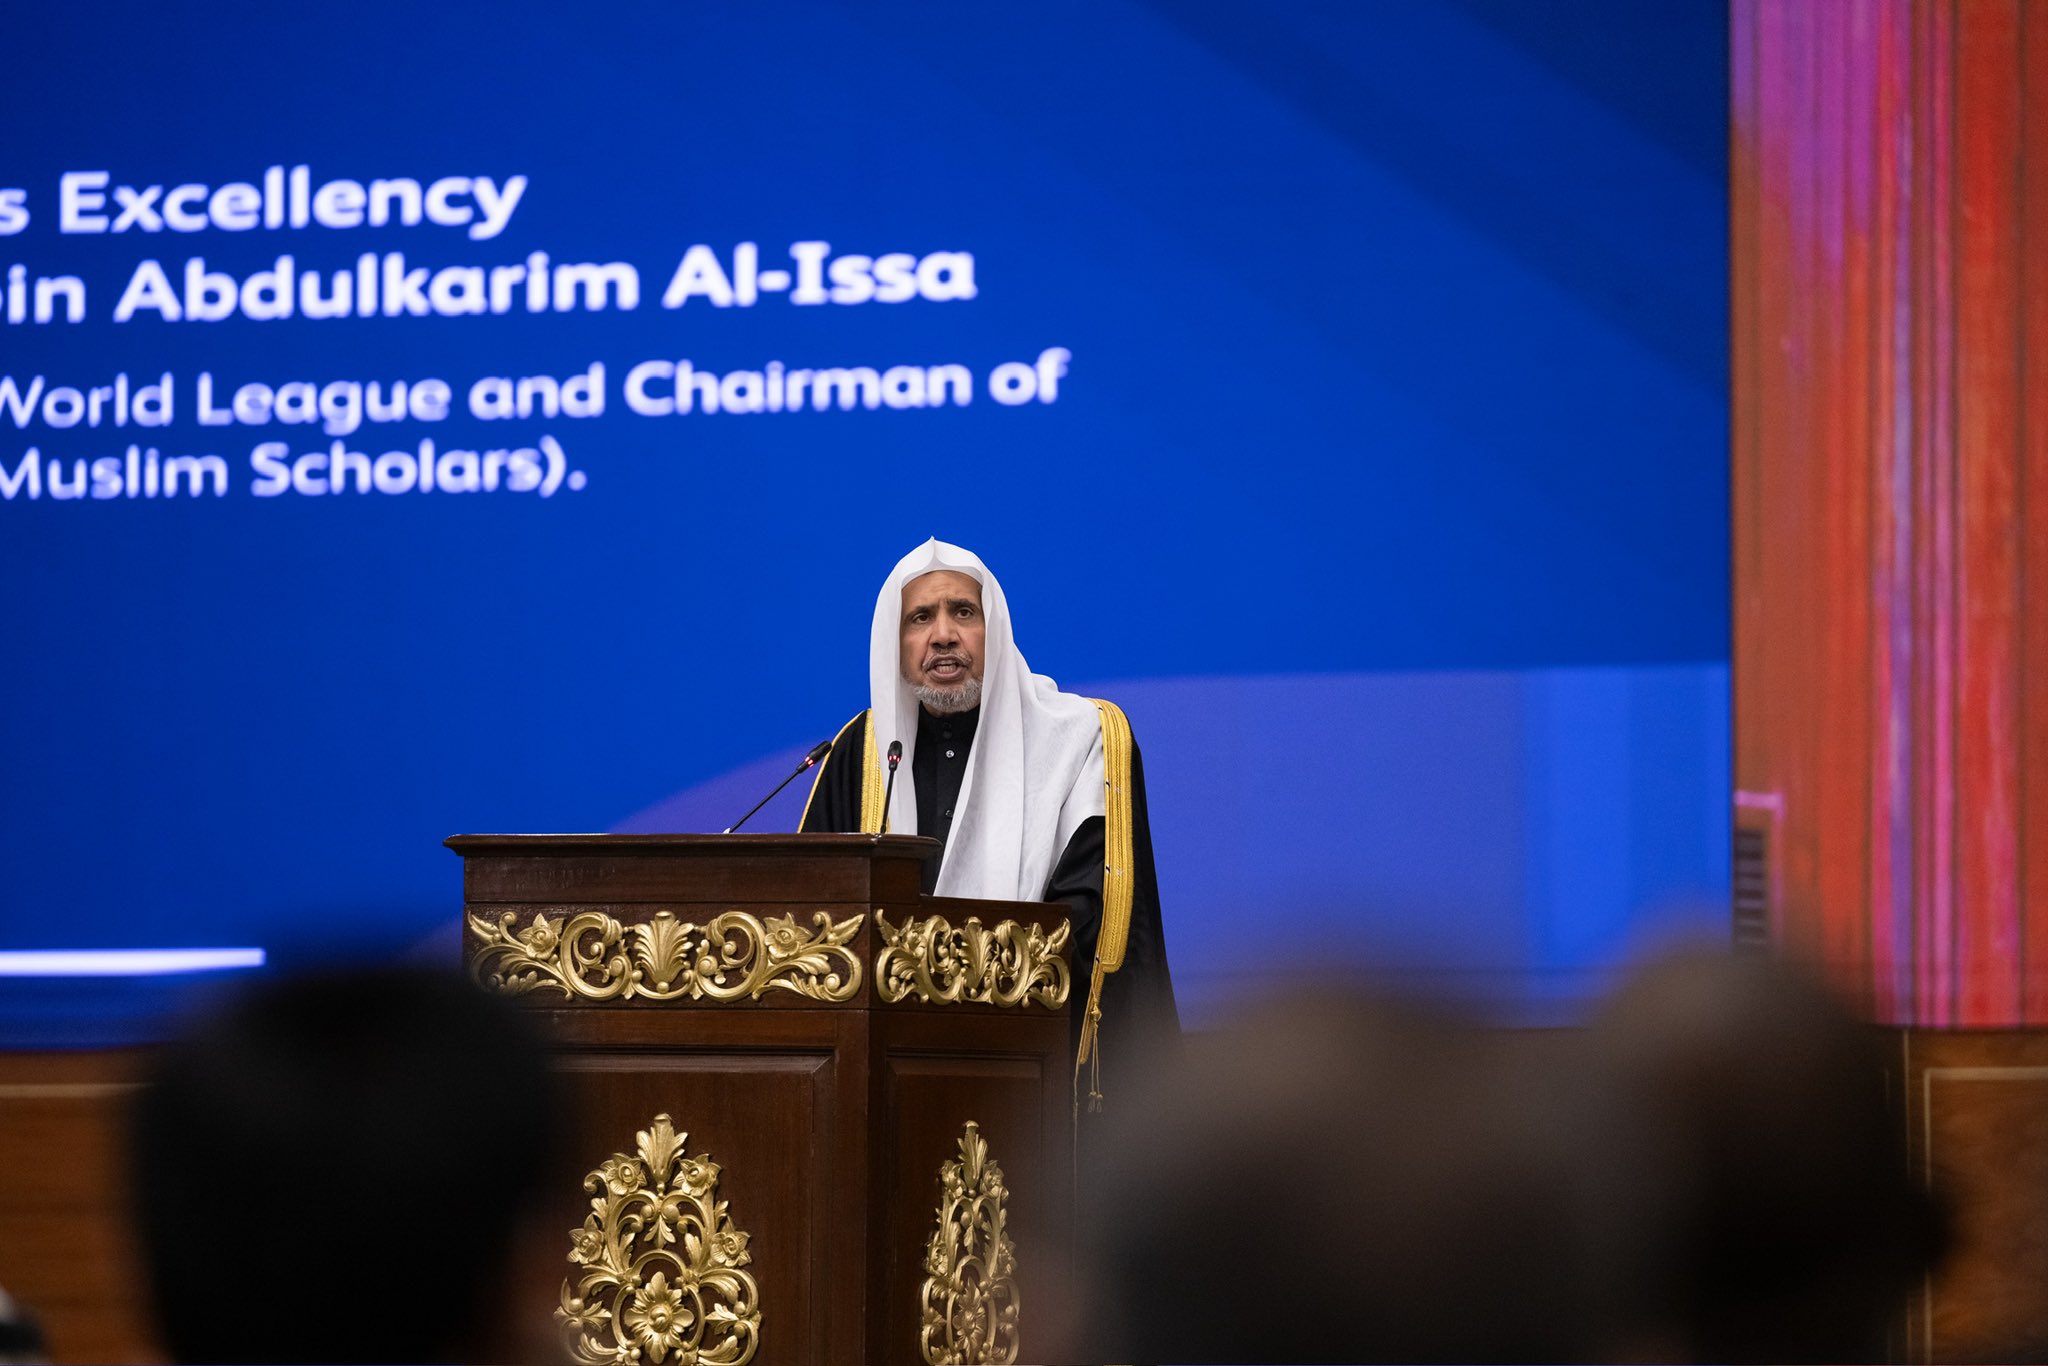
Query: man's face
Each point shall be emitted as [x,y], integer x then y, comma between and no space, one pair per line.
[943,631]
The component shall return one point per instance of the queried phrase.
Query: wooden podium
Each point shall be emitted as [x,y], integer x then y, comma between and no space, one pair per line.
[819,1117]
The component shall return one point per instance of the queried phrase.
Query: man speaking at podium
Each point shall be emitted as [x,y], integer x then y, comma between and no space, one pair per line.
[1035,794]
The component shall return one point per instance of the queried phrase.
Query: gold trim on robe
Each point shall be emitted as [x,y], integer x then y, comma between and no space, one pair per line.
[1119,881]
[871,781]
[874,819]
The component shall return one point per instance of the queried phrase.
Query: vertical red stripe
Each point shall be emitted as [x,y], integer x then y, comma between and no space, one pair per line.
[1897,404]
[1987,384]
[1841,654]
[1934,383]
[1806,452]
[2032,492]
[1774,476]
[1850,442]
[1877,113]
[1926,761]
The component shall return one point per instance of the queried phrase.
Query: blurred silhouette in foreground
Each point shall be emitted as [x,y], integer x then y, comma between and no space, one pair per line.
[1345,1179]
[1710,1172]
[344,1168]
[1800,1229]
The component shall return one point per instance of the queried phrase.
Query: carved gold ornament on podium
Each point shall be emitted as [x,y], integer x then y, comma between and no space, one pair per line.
[970,1289]
[733,955]
[1012,964]
[661,1279]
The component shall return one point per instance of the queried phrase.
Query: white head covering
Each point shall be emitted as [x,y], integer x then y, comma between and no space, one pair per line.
[1035,770]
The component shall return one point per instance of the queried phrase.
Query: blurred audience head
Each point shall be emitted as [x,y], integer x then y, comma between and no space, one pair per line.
[1801,1228]
[1713,1171]
[1351,1179]
[342,1168]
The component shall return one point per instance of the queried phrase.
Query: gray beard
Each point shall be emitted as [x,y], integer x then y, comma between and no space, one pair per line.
[948,701]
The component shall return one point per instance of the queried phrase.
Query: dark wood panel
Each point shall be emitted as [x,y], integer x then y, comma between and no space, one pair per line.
[727,1077]
[67,1247]
[1012,1077]
[766,1120]
[739,869]
[1978,1110]
[736,882]
[712,1032]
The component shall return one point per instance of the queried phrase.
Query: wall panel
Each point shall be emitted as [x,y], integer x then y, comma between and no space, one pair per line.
[67,1249]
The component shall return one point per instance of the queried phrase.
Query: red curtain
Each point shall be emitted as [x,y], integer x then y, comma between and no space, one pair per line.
[1890,406]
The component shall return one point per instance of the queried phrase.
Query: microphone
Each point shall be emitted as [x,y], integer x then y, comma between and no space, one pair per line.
[895,758]
[818,752]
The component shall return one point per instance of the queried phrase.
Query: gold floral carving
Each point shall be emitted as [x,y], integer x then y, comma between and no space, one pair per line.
[1011,964]
[970,1289]
[661,1263]
[733,955]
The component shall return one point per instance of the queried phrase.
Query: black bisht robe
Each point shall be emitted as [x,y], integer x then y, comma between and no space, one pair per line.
[1140,1023]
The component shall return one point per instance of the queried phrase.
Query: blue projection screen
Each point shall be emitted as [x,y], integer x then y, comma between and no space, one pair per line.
[426,419]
